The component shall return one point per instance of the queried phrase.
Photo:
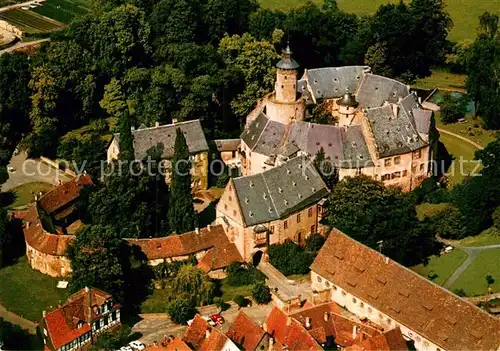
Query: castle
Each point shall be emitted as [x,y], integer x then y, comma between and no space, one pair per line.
[376,126]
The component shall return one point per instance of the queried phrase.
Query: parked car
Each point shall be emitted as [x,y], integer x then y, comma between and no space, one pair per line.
[126,348]
[137,345]
[217,319]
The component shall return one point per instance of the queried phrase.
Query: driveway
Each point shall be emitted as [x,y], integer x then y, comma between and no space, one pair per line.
[30,170]
[157,327]
[286,288]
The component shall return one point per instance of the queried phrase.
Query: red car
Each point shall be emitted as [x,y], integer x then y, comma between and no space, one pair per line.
[217,319]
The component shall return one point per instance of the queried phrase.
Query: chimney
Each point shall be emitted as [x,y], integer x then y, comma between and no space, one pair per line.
[36,198]
[386,260]
[354,332]
[288,321]
[87,289]
[174,120]
[271,343]
[44,313]
[40,193]
[308,322]
[157,124]
[197,230]
[395,109]
[28,224]
[207,333]
[209,227]
[325,316]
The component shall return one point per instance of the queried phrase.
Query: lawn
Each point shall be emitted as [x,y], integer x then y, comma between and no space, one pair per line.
[442,266]
[24,194]
[490,236]
[443,80]
[471,129]
[463,154]
[27,292]
[63,10]
[156,302]
[425,210]
[230,292]
[464,13]
[473,281]
[30,22]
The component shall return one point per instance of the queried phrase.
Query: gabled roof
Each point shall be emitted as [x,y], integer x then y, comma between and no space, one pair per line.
[375,90]
[263,135]
[280,191]
[411,300]
[391,340]
[63,194]
[220,256]
[227,144]
[195,334]
[174,344]
[245,332]
[289,333]
[62,323]
[164,137]
[215,341]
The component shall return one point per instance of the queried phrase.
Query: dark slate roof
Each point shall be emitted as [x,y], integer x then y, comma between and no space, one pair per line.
[252,133]
[356,154]
[347,100]
[227,144]
[375,90]
[287,62]
[147,138]
[280,191]
[330,82]
[264,135]
[393,135]
[288,149]
[422,120]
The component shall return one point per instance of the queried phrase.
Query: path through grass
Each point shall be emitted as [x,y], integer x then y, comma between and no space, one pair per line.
[440,268]
[490,236]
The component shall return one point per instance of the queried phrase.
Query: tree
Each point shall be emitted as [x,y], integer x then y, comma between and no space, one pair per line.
[182,216]
[376,58]
[192,283]
[326,169]
[241,301]
[5,236]
[261,293]
[488,24]
[181,310]
[263,22]
[289,258]
[489,279]
[16,338]
[97,256]
[496,217]
[381,214]
[175,20]
[113,101]
[126,141]
[452,108]
[314,242]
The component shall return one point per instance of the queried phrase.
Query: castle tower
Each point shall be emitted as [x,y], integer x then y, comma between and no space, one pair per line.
[286,77]
[347,108]
[284,106]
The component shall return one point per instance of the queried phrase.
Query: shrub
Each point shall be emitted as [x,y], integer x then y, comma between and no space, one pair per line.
[241,301]
[447,223]
[452,108]
[221,304]
[430,191]
[181,310]
[460,292]
[261,293]
[289,258]
[240,274]
[314,242]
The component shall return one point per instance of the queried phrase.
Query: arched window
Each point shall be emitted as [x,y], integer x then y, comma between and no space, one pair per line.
[354,300]
[319,279]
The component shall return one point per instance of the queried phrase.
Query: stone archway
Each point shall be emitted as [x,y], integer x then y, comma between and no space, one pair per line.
[257,257]
[300,236]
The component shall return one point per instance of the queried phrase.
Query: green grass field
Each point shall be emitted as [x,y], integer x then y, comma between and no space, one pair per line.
[30,22]
[442,80]
[463,154]
[23,194]
[63,10]
[27,292]
[464,13]
[442,266]
[473,281]
[490,236]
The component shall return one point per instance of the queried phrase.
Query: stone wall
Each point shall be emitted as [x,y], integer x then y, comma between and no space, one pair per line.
[55,266]
[10,28]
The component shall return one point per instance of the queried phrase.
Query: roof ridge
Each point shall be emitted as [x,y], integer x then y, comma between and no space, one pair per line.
[270,194]
[165,125]
[262,132]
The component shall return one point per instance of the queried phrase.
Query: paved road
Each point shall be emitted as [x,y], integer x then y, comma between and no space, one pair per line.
[476,145]
[156,328]
[17,320]
[15,6]
[287,289]
[21,45]
[28,170]
[472,253]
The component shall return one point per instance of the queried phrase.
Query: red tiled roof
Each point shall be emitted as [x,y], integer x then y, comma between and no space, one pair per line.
[64,194]
[215,341]
[221,256]
[289,332]
[245,332]
[196,333]
[182,244]
[411,300]
[390,341]
[62,323]
[39,239]
[176,344]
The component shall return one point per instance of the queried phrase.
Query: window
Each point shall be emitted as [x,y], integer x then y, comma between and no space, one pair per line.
[397,160]
[386,177]
[234,213]
[405,173]
[271,229]
[417,154]
[327,284]
[422,167]
[358,171]
[225,207]
[334,287]
[361,305]
[354,300]
[285,225]
[313,229]
[319,279]
[396,175]
[106,321]
[230,198]
[344,293]
[414,169]
[426,343]
[369,310]
[387,162]
[310,212]
[298,218]
[113,316]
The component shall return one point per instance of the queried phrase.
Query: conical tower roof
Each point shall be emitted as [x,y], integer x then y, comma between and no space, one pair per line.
[347,100]
[287,61]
